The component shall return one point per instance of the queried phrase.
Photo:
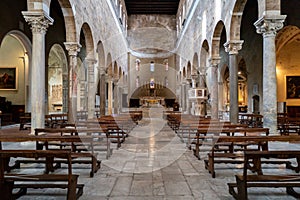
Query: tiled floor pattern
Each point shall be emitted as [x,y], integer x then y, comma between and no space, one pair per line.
[154,164]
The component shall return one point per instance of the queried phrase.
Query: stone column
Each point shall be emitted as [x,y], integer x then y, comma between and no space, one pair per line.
[110,95]
[268,27]
[73,48]
[232,47]
[39,23]
[221,96]
[202,84]
[214,87]
[102,92]
[91,88]
[188,102]
[183,97]
[116,95]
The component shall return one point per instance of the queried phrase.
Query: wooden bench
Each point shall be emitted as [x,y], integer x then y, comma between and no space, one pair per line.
[261,141]
[236,157]
[25,121]
[228,131]
[252,120]
[9,181]
[117,127]
[68,140]
[82,148]
[58,119]
[252,161]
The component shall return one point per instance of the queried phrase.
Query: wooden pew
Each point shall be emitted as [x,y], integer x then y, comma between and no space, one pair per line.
[72,140]
[231,157]
[117,127]
[80,149]
[228,131]
[25,121]
[58,119]
[252,120]
[63,181]
[252,161]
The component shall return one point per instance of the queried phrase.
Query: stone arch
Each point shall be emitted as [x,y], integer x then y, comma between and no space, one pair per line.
[216,39]
[101,55]
[68,13]
[22,61]
[115,70]
[287,35]
[120,72]
[195,67]
[57,79]
[204,56]
[89,42]
[108,65]
[184,73]
[188,70]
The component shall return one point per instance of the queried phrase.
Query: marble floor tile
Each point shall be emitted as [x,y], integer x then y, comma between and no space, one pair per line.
[154,164]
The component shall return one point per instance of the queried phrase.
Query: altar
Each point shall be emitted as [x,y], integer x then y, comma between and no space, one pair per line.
[152,101]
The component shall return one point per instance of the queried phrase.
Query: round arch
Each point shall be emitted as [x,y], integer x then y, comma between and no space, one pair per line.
[195,67]
[216,39]
[108,65]
[57,79]
[89,42]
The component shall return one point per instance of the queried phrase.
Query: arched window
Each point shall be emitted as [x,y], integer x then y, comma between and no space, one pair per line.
[137,64]
[152,84]
[166,82]
[166,63]
[152,66]
[137,82]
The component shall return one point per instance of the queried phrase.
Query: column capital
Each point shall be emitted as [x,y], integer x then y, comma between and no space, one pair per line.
[39,21]
[102,71]
[233,46]
[72,47]
[91,61]
[269,25]
[214,61]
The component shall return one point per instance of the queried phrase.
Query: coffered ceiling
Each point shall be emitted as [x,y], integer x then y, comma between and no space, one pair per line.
[167,7]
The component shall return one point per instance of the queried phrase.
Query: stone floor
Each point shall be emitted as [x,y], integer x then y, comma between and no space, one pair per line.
[155,164]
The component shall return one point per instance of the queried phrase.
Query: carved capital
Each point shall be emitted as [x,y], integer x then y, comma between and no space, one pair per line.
[233,46]
[39,21]
[73,48]
[214,61]
[102,71]
[90,61]
[269,25]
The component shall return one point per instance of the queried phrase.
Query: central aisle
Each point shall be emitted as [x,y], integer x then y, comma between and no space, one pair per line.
[150,146]
[153,163]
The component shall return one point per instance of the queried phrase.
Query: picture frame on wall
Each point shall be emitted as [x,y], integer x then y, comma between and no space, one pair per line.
[8,78]
[293,87]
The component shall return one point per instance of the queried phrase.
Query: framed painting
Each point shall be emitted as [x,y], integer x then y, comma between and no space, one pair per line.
[8,78]
[293,87]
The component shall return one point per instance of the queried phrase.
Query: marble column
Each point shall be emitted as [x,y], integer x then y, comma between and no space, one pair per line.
[102,92]
[110,95]
[115,96]
[268,27]
[232,47]
[91,88]
[188,102]
[214,87]
[39,23]
[73,48]
[202,84]
[183,97]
